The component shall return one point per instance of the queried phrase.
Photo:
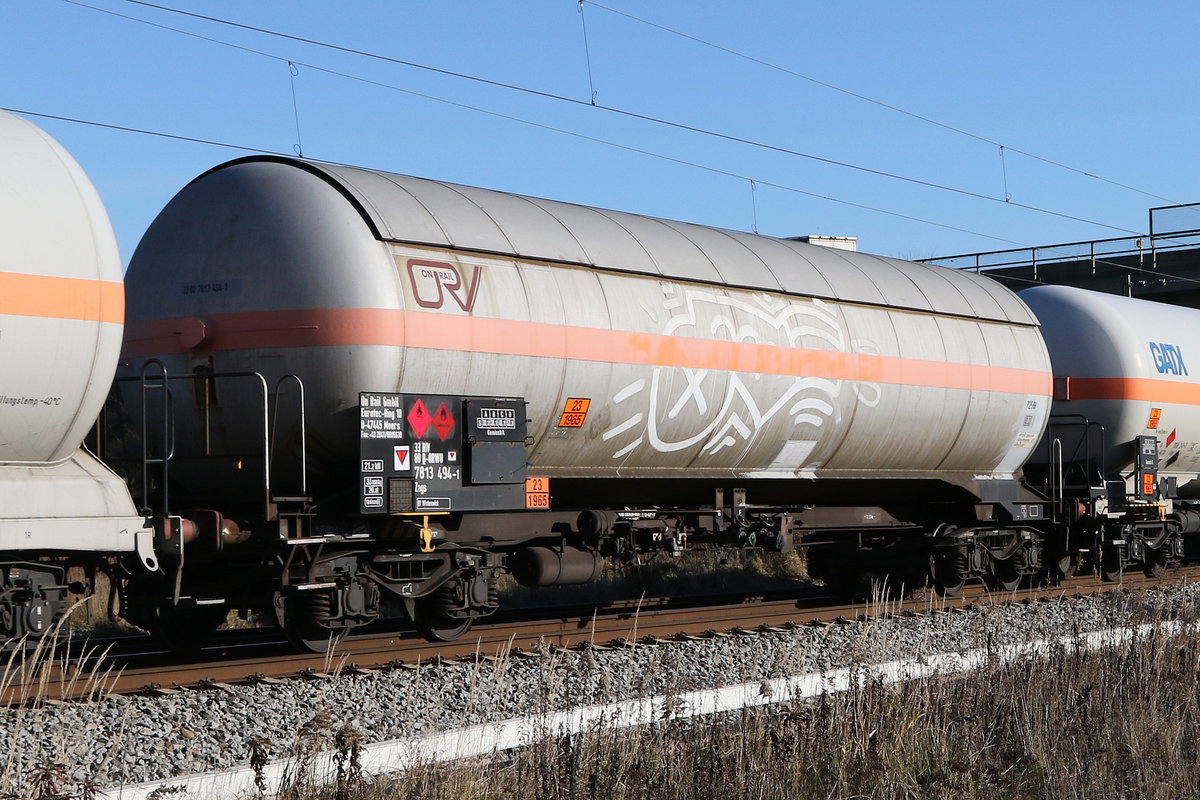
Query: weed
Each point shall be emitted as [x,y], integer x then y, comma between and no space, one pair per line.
[311,740]
[48,781]
[260,756]
[1116,723]
[348,760]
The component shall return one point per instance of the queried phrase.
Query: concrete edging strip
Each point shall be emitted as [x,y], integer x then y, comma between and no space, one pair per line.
[398,755]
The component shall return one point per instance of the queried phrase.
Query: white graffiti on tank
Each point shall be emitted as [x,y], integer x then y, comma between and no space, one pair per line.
[740,411]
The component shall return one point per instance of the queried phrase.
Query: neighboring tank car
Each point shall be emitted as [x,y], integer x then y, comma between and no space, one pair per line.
[63,514]
[1122,451]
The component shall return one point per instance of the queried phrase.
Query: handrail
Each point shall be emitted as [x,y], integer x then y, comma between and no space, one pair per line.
[1097,252]
[167,444]
[1091,429]
[303,427]
[270,404]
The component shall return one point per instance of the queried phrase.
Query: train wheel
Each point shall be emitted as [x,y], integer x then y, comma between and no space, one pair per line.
[433,617]
[1061,555]
[1008,576]
[1064,567]
[185,630]
[1111,568]
[1155,563]
[314,639]
[949,571]
[294,612]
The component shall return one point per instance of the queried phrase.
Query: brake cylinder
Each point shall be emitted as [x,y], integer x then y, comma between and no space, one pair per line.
[545,566]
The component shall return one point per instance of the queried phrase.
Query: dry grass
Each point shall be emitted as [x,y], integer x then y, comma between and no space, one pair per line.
[1118,723]
[57,666]
[1122,722]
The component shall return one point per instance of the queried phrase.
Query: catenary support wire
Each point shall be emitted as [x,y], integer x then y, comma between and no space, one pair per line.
[1158,274]
[872,100]
[293,72]
[587,53]
[608,109]
[1004,172]
[754,203]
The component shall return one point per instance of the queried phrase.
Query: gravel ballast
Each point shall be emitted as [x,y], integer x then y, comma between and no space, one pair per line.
[137,739]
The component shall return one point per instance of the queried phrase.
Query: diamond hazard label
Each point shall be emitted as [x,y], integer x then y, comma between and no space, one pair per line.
[443,422]
[413,457]
[419,418]
[401,459]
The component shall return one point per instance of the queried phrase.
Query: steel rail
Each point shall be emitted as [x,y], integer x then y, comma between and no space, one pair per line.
[618,625]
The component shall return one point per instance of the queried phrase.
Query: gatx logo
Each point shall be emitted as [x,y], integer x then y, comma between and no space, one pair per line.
[435,282]
[1168,358]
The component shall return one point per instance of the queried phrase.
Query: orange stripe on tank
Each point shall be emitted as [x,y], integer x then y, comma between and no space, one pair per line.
[45,296]
[1148,389]
[392,327]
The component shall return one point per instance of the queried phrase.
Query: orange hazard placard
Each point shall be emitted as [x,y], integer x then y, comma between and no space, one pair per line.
[537,492]
[574,412]
[1155,416]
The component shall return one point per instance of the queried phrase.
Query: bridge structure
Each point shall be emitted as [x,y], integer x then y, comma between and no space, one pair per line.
[1161,265]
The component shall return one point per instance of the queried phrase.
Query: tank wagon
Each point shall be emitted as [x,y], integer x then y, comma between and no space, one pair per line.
[345,394]
[492,381]
[1122,451]
[63,514]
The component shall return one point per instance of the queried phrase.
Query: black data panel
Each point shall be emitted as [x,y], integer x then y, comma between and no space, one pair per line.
[412,458]
[1147,461]
[495,441]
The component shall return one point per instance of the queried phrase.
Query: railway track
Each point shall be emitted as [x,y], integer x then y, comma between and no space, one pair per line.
[256,656]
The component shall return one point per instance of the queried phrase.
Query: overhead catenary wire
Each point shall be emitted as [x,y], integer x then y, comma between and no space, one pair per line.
[876,102]
[628,148]
[499,115]
[602,107]
[1158,274]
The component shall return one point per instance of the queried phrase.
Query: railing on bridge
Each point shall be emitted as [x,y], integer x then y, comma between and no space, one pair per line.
[1172,228]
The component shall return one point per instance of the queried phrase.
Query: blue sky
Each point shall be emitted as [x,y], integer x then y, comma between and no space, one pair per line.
[1103,87]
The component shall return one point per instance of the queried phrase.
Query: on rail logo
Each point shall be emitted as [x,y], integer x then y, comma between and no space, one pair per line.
[433,282]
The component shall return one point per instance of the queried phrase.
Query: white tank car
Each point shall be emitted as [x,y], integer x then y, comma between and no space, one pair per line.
[645,348]
[61,321]
[1129,365]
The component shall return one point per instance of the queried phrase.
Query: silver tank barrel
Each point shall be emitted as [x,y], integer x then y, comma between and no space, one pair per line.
[645,347]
